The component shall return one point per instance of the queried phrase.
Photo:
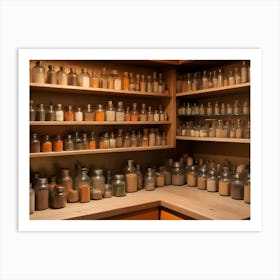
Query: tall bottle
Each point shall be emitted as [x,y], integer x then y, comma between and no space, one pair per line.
[120,114]
[110,112]
[103,82]
[82,185]
[38,73]
[130,177]
[134,115]
[139,178]
[72,77]
[150,181]
[67,182]
[143,114]
[243,70]
[161,87]
[84,78]
[155,82]
[59,114]
[51,75]
[61,77]
[142,84]
[94,82]
[40,113]
[131,82]
[125,81]
[32,113]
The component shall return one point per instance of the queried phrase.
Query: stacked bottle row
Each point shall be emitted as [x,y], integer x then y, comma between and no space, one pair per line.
[128,81]
[213,109]
[85,141]
[213,79]
[83,187]
[217,128]
[224,178]
[109,113]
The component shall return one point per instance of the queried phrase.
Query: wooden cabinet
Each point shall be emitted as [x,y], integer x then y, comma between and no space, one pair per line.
[167,214]
[147,214]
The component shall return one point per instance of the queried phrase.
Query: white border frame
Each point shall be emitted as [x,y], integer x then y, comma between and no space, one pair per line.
[25,55]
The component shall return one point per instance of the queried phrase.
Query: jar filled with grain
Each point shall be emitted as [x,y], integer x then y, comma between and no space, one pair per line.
[41,194]
[57,197]
[212,181]
[150,182]
[98,181]
[202,178]
[160,177]
[118,184]
[237,186]
[178,172]
[82,185]
[247,190]
[224,183]
[130,177]
[192,176]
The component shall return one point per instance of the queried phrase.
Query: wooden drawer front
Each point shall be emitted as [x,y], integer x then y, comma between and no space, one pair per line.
[147,214]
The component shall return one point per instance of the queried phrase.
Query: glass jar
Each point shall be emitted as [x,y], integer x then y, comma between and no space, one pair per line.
[237,186]
[92,141]
[32,113]
[94,80]
[133,139]
[69,114]
[131,86]
[192,176]
[51,75]
[127,114]
[79,115]
[247,190]
[106,141]
[160,177]
[130,177]
[150,115]
[202,178]
[139,139]
[139,177]
[67,182]
[125,81]
[239,129]
[214,80]
[100,113]
[145,138]
[59,114]
[137,82]
[84,78]
[118,185]
[231,80]
[50,114]
[152,137]
[77,141]
[156,116]
[84,142]
[98,181]
[237,76]
[167,175]
[38,73]
[212,181]
[112,141]
[68,143]
[158,138]
[134,115]
[108,190]
[220,78]
[57,197]
[110,80]
[58,144]
[41,194]
[142,84]
[34,144]
[149,180]
[127,141]
[31,199]
[88,113]
[149,83]
[110,112]
[224,183]
[82,185]
[119,139]
[72,77]
[143,114]
[194,82]
[178,171]
[103,81]
[155,82]
[120,114]
[243,70]
[46,146]
[117,81]
[40,113]
[61,77]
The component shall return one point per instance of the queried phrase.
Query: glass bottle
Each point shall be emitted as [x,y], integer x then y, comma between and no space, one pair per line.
[219,129]
[110,80]
[108,179]
[220,78]
[133,139]
[236,110]
[149,83]
[120,113]
[145,138]
[192,176]
[224,183]
[167,175]
[58,144]
[158,138]
[246,130]
[125,81]
[94,82]
[41,194]
[119,139]
[194,82]
[223,109]
[245,110]
[77,141]
[84,78]
[139,177]
[57,197]
[212,181]
[201,110]
[231,79]
[100,113]
[127,142]
[84,145]
[239,129]
[40,113]
[38,73]
[225,130]
[225,79]
[143,114]
[204,80]
[142,84]
[117,81]
[131,86]
[216,109]
[149,180]
[68,143]
[106,141]
[110,112]
[31,199]
[92,141]
[178,171]
[150,115]
[98,181]
[32,113]
[229,109]
[72,77]
[118,185]
[50,114]
[59,114]
[130,177]
[202,178]
[152,137]
[189,82]
[108,190]
[69,114]
[214,80]
[232,131]
[243,70]
[237,76]
[247,190]
[134,115]
[82,185]
[88,113]
[161,86]
[137,82]
[127,114]
[103,82]
[67,182]
[34,144]
[156,116]
[51,75]
[209,109]
[237,186]
[160,177]
[161,114]
[155,82]
[179,84]
[79,115]
[46,146]
[61,77]
[112,141]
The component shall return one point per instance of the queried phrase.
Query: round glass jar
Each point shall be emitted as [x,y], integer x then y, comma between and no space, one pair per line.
[212,181]
[41,194]
[237,186]
[149,180]
[118,184]
[202,178]
[224,183]
[57,197]
[192,176]
[178,174]
[98,181]
[130,177]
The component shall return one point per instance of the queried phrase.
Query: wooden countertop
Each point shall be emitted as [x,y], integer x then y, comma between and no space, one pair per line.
[189,201]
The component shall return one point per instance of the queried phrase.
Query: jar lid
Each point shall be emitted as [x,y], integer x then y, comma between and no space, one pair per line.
[43,180]
[177,164]
[98,171]
[119,176]
[59,189]
[204,169]
[237,175]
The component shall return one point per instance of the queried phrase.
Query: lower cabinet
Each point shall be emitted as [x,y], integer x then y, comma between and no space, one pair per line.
[166,214]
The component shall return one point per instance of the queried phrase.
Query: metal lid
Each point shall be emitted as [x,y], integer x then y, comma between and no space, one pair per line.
[43,180]
[119,176]
[59,189]
[177,164]
[98,171]
[204,169]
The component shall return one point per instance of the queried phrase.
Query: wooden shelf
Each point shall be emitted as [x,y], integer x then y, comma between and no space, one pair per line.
[65,123]
[94,91]
[216,91]
[214,139]
[98,151]
[213,115]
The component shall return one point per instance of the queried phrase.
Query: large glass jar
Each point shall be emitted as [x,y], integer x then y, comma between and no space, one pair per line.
[149,181]
[202,178]
[130,177]
[38,73]
[160,177]
[192,176]
[41,194]
[46,146]
[110,112]
[61,77]
[98,181]
[31,199]
[224,183]
[118,185]
[34,144]
[178,171]
[77,141]
[82,185]
[212,181]
[57,197]
[247,190]
[237,186]
[51,75]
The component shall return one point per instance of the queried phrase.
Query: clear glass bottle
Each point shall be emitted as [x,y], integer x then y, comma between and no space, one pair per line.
[194,82]
[189,82]
[160,177]
[204,80]
[202,178]
[118,185]
[178,174]
[77,141]
[108,179]
[31,199]
[142,84]
[100,113]
[145,138]
[216,109]
[225,79]
[231,79]
[110,80]
[156,116]
[215,80]
[94,81]
[127,114]
[32,112]
[38,73]
[79,115]
[158,137]
[224,183]
[161,86]
[232,131]
[125,81]
[61,77]
[236,109]
[40,113]
[131,86]
[239,129]
[92,141]
[119,139]
[161,114]
[117,81]
[140,184]
[149,180]
[137,82]
[103,81]
[120,113]
[134,115]
[143,114]
[209,109]
[237,186]
[110,112]
[247,189]
[88,113]
[155,82]
[82,185]
[237,76]
[220,78]
[59,114]
[46,145]
[139,138]
[67,182]
[41,194]
[58,144]
[84,142]
[244,73]
[98,181]
[51,75]
[149,84]
[219,129]
[84,78]
[112,141]
[130,177]
[212,181]
[106,140]
[69,143]
[127,142]
[150,115]
[192,176]
[133,139]
[35,144]
[152,137]
[50,114]
[72,77]
[179,84]
[108,190]
[69,114]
